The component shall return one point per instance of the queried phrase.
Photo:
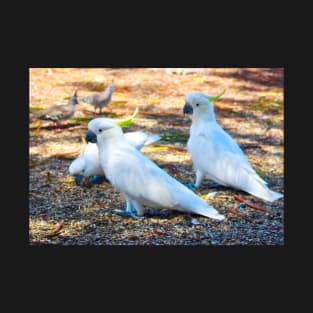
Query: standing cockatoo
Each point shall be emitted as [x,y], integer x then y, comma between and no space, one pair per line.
[141,181]
[216,155]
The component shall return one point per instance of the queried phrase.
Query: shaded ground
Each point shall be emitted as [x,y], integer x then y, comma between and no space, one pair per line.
[251,111]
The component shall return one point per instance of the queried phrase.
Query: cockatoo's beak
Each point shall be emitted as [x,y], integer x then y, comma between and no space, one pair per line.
[91,136]
[188,109]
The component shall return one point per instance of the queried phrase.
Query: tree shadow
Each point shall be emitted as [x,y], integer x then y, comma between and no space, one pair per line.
[270,77]
[56,127]
[87,85]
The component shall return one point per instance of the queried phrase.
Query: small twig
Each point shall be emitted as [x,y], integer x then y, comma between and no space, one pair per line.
[57,229]
[250,204]
[241,215]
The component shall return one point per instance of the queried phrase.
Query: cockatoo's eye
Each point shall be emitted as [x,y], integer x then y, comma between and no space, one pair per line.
[197,104]
[100,130]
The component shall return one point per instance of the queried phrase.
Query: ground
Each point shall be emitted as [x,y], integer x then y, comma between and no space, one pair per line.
[251,111]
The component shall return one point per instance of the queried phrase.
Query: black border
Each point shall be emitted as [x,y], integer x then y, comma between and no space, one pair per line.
[244,266]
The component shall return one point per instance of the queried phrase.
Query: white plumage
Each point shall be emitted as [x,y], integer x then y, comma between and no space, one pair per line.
[141,181]
[216,155]
[88,164]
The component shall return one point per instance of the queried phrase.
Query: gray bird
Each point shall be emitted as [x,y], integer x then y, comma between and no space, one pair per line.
[100,99]
[57,113]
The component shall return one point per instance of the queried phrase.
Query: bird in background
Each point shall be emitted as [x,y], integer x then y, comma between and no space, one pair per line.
[100,99]
[140,181]
[58,113]
[216,155]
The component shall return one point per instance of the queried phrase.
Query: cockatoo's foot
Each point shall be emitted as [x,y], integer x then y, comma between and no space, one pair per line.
[241,206]
[191,186]
[97,179]
[128,213]
[123,212]
[78,179]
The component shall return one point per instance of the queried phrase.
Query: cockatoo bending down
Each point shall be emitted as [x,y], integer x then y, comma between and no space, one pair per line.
[141,181]
[87,163]
[216,155]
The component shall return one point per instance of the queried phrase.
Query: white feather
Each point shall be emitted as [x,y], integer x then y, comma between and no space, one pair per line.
[140,180]
[139,139]
[88,164]
[217,156]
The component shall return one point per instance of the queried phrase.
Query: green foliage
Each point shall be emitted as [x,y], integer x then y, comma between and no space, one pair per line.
[117,104]
[273,106]
[273,120]
[258,172]
[80,119]
[33,109]
[159,148]
[178,137]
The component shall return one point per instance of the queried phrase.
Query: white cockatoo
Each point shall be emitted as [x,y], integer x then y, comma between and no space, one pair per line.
[141,181]
[87,163]
[216,155]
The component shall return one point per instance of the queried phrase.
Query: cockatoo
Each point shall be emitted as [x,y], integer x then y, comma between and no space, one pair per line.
[216,155]
[100,99]
[88,164]
[141,181]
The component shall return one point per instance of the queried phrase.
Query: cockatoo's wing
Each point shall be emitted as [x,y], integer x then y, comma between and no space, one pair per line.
[77,166]
[92,162]
[139,139]
[143,181]
[88,164]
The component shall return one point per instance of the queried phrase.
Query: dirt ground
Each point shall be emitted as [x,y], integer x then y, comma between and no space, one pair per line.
[251,111]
